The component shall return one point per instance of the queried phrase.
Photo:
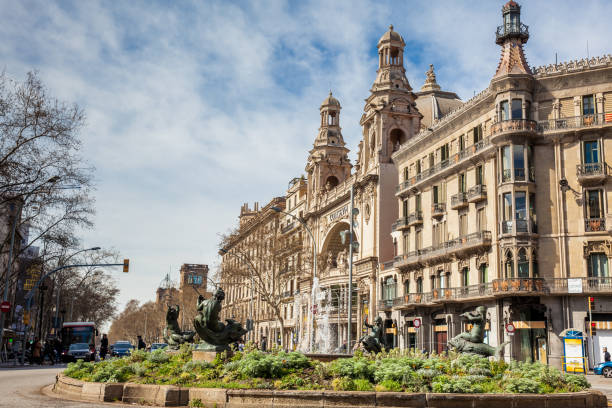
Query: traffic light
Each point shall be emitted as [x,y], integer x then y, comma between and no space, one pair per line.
[26,318]
[126,265]
[591,303]
[593,328]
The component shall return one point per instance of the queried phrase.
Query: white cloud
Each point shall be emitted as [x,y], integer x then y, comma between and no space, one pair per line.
[196,108]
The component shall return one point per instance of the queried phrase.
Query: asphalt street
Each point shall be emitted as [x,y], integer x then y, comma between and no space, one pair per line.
[22,388]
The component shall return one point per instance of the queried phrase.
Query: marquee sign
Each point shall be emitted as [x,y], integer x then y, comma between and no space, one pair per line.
[338,214]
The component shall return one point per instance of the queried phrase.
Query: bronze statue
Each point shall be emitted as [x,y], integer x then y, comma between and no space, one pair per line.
[173,335]
[472,342]
[215,335]
[374,342]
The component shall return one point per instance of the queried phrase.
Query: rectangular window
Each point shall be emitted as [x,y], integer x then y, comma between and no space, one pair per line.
[506,163]
[431,160]
[484,273]
[463,227]
[591,151]
[527,110]
[435,194]
[406,173]
[406,243]
[482,219]
[519,162]
[517,109]
[417,203]
[507,206]
[418,167]
[405,208]
[461,182]
[520,205]
[594,203]
[504,110]
[598,265]
[479,175]
[419,239]
[477,134]
[588,105]
[465,275]
[419,286]
[461,142]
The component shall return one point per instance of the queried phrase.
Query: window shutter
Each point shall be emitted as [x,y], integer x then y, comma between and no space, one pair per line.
[545,111]
[567,107]
[608,102]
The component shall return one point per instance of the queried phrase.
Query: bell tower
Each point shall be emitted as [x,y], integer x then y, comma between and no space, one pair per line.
[511,36]
[328,162]
[390,116]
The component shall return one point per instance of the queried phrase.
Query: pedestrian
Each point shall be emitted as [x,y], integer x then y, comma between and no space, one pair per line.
[37,352]
[58,349]
[606,354]
[264,343]
[103,346]
[48,351]
[141,344]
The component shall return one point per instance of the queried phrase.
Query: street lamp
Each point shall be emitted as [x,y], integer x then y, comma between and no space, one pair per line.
[244,259]
[97,248]
[314,272]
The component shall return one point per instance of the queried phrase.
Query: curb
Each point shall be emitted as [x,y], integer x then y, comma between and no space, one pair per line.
[172,396]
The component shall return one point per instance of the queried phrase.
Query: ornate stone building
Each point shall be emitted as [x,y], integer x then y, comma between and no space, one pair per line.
[504,202]
[500,201]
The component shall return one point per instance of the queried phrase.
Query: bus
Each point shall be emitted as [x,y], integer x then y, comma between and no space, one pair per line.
[78,332]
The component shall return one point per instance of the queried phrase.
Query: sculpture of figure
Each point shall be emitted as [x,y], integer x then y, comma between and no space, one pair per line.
[431,76]
[215,335]
[472,342]
[173,336]
[330,260]
[342,258]
[374,342]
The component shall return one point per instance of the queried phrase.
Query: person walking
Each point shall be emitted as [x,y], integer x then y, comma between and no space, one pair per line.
[37,352]
[103,346]
[264,343]
[606,354]
[141,344]
[49,351]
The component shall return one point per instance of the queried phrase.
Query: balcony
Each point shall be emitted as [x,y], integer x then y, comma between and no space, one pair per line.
[519,30]
[477,193]
[579,285]
[518,227]
[445,251]
[594,224]
[287,227]
[591,174]
[416,218]
[385,304]
[445,167]
[438,210]
[459,201]
[576,123]
[400,224]
[500,130]
[518,286]
[411,300]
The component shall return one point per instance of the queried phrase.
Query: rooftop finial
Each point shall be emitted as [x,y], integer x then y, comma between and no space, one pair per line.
[390,27]
[430,80]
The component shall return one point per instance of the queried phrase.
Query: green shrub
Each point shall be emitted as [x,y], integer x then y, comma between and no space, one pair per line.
[576,382]
[522,386]
[355,367]
[361,384]
[343,384]
[138,355]
[158,356]
[389,385]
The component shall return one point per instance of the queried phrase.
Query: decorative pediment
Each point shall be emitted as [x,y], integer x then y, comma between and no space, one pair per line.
[592,247]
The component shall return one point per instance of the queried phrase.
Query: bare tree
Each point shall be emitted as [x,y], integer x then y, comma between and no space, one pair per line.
[147,320]
[45,184]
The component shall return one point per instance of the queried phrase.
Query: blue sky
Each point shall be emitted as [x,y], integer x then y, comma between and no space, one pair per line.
[196,107]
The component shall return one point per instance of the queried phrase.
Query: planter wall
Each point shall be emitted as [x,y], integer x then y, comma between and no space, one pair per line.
[171,396]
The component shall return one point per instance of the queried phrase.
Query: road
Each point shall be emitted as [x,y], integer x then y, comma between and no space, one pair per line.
[21,387]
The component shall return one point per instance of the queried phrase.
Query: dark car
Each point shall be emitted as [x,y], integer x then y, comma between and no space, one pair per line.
[156,346]
[604,369]
[121,348]
[79,351]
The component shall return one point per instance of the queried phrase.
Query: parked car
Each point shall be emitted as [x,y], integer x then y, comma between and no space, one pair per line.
[156,346]
[121,348]
[80,351]
[604,369]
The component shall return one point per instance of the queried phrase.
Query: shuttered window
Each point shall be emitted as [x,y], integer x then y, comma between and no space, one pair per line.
[608,102]
[545,111]
[567,107]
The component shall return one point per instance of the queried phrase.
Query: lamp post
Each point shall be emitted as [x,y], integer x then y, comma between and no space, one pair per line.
[52,180]
[353,245]
[244,259]
[58,287]
[314,273]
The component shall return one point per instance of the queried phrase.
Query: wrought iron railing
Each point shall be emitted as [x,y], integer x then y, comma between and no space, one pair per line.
[415,218]
[515,285]
[400,223]
[458,200]
[287,227]
[576,122]
[594,224]
[479,190]
[517,29]
[590,169]
[438,209]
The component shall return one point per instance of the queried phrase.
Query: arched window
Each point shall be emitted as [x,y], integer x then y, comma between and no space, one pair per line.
[331,182]
[523,264]
[396,137]
[509,265]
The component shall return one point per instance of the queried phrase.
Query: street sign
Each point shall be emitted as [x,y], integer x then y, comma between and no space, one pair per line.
[5,307]
[416,323]
[510,329]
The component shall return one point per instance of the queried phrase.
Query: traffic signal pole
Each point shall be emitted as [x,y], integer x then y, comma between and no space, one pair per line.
[592,341]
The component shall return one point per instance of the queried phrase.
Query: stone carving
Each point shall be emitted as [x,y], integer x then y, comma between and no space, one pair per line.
[374,342]
[597,247]
[173,335]
[215,335]
[575,65]
[472,342]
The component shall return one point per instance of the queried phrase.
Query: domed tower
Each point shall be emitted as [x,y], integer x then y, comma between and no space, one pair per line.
[390,116]
[328,162]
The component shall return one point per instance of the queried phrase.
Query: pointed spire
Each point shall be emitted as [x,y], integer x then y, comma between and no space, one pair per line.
[511,36]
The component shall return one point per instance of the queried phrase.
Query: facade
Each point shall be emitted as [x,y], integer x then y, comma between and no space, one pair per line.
[499,201]
[503,203]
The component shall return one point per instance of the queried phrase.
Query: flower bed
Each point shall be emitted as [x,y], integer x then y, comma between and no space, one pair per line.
[394,371]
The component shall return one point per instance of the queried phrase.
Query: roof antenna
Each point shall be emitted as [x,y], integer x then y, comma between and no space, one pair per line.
[556,59]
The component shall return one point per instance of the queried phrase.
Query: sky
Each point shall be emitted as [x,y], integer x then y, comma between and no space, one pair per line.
[194,108]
